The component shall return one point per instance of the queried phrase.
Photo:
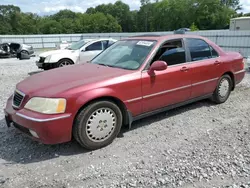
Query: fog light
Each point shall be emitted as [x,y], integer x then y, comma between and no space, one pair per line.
[33,133]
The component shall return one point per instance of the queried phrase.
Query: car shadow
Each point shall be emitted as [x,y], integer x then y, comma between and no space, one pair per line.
[34,72]
[167,114]
[15,147]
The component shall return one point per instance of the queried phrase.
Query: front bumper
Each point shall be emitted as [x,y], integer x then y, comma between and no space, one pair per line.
[45,66]
[48,129]
[239,76]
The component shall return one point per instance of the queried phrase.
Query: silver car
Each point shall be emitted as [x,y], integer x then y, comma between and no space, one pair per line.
[13,49]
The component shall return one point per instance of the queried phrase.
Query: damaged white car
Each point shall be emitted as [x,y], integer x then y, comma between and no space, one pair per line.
[79,52]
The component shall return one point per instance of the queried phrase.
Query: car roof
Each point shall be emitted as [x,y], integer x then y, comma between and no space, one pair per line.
[97,39]
[158,37]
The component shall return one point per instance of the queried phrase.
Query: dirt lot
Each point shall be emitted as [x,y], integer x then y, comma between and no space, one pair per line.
[199,145]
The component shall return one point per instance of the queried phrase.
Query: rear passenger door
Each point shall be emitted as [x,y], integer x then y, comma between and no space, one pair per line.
[204,62]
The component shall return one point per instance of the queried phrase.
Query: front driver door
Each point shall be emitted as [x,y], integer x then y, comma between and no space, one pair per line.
[169,86]
[91,51]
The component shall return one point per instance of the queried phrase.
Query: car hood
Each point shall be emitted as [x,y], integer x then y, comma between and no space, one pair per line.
[54,82]
[53,52]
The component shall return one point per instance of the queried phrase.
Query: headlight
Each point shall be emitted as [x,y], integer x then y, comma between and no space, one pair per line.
[47,59]
[46,105]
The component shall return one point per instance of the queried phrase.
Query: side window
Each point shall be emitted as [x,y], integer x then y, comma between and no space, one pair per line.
[94,46]
[213,52]
[172,53]
[111,43]
[199,49]
[174,56]
[105,44]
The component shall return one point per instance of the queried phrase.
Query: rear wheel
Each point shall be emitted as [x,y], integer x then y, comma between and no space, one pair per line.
[97,125]
[64,62]
[24,52]
[223,89]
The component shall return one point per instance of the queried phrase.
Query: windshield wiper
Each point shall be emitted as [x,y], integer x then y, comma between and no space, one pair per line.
[105,65]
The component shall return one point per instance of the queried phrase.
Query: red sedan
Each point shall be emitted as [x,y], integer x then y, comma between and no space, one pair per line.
[132,79]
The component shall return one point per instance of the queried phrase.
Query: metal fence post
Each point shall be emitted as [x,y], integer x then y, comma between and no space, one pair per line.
[42,41]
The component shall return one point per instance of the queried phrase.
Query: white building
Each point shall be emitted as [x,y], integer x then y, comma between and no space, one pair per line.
[241,23]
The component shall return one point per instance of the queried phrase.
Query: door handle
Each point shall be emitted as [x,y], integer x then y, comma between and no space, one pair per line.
[184,69]
[217,63]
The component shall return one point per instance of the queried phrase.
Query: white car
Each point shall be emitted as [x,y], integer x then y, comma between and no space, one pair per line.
[248,62]
[79,52]
[63,45]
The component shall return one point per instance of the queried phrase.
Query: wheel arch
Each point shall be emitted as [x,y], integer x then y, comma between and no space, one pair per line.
[66,58]
[24,50]
[117,101]
[232,77]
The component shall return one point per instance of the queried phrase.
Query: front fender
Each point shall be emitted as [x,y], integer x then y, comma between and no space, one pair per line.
[103,93]
[91,95]
[57,57]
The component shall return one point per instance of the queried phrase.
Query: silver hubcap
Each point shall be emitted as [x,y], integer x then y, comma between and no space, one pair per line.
[101,124]
[223,87]
[64,63]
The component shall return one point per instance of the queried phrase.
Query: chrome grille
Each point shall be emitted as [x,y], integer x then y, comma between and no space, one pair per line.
[18,99]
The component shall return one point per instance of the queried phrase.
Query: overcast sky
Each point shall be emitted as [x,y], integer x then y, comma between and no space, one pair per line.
[51,6]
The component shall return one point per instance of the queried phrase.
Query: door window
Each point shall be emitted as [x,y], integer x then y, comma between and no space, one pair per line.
[213,52]
[95,46]
[200,50]
[172,52]
[107,43]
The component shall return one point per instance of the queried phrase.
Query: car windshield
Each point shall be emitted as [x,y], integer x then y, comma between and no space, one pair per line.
[77,45]
[125,54]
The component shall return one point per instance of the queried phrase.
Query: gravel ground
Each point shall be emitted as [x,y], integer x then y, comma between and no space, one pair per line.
[199,145]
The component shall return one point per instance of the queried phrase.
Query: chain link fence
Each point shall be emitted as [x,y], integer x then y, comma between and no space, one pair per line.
[229,40]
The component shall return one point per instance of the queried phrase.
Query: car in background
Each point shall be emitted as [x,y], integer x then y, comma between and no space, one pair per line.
[248,62]
[132,79]
[13,49]
[184,29]
[63,45]
[79,52]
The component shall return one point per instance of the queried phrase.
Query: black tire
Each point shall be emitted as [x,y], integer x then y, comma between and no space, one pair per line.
[60,62]
[25,52]
[217,98]
[80,126]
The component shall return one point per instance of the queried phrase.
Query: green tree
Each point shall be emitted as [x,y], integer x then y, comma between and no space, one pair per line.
[9,16]
[119,10]
[49,26]
[98,23]
[164,15]
[193,27]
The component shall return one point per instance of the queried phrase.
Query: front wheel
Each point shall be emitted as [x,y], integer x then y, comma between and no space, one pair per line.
[64,62]
[97,125]
[223,89]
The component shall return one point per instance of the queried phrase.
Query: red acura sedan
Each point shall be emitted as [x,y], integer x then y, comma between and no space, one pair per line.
[134,78]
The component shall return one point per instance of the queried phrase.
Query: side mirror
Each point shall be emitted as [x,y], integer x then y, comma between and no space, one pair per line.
[158,66]
[83,50]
